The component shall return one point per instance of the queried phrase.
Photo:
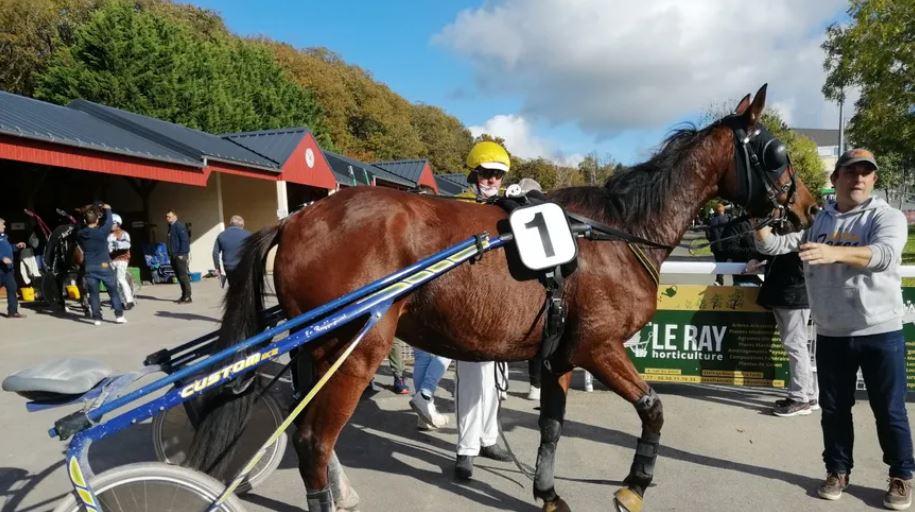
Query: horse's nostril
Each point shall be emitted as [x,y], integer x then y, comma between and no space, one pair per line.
[813,210]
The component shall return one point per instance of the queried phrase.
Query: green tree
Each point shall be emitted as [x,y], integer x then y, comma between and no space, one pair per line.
[539,169]
[139,60]
[876,53]
[595,170]
[803,152]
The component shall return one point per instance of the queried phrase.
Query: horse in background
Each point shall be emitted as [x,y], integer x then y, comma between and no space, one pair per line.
[493,309]
[65,262]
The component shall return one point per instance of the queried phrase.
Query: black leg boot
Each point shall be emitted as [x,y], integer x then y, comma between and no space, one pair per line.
[320,501]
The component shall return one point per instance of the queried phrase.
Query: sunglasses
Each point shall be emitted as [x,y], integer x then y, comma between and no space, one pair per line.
[489,173]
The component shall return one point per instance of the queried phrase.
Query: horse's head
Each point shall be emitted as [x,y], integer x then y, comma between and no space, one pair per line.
[761,178]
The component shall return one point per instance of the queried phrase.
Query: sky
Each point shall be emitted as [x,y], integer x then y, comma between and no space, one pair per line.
[561,79]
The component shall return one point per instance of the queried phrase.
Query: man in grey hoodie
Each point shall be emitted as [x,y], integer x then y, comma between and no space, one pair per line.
[851,256]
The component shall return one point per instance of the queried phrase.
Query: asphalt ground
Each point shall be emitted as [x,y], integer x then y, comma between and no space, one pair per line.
[721,449]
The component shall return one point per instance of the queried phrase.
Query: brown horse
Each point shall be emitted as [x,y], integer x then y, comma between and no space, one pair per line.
[493,309]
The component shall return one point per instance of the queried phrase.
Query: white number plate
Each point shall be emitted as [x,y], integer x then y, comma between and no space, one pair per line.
[543,236]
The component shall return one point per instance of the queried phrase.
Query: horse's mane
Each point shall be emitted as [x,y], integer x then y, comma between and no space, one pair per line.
[636,194]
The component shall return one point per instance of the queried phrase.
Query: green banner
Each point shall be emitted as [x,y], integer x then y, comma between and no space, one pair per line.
[718,335]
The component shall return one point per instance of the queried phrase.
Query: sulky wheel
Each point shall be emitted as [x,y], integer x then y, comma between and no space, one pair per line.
[153,486]
[173,432]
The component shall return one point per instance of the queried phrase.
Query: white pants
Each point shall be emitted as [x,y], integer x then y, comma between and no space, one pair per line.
[120,273]
[477,407]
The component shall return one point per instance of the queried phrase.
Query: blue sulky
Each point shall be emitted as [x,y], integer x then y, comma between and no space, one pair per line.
[191,373]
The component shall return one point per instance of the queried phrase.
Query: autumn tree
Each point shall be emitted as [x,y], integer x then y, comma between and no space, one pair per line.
[30,32]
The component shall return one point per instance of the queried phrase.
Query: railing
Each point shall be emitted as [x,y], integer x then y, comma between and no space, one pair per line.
[711,267]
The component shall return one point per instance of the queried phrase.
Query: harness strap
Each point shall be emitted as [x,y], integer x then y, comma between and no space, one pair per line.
[646,263]
[554,322]
[613,234]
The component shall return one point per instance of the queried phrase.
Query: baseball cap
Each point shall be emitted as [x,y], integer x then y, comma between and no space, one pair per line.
[853,156]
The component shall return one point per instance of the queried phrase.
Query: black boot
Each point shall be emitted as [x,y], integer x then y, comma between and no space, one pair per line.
[463,467]
[495,452]
[320,501]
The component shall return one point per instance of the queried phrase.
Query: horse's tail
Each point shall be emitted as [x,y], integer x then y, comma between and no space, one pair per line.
[223,414]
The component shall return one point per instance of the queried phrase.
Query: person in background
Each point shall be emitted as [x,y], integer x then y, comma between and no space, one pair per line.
[428,370]
[93,239]
[8,273]
[179,250]
[477,393]
[852,254]
[739,246]
[784,291]
[395,359]
[715,232]
[119,250]
[228,248]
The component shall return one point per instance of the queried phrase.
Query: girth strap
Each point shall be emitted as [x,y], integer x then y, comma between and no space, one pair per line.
[554,322]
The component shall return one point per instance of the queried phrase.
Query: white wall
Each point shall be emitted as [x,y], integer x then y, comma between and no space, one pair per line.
[255,200]
[199,208]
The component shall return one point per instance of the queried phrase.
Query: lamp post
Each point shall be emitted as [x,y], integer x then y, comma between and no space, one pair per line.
[841,121]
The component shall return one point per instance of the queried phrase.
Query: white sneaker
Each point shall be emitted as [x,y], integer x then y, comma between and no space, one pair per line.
[96,322]
[503,395]
[589,382]
[120,320]
[425,409]
[534,393]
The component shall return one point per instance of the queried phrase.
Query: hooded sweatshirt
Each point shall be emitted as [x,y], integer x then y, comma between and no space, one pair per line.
[848,301]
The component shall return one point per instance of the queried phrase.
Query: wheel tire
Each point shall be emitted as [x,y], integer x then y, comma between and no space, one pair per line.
[172,434]
[160,487]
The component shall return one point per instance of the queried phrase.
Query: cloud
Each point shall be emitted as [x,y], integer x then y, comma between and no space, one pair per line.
[521,141]
[609,66]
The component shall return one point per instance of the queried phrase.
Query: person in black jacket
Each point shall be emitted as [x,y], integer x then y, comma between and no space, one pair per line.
[785,293]
[8,273]
[227,249]
[179,248]
[715,232]
[93,239]
[739,246]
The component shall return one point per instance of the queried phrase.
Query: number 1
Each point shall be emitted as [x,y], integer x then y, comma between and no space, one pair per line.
[539,223]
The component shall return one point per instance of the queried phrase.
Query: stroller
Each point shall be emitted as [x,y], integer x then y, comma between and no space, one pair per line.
[158,262]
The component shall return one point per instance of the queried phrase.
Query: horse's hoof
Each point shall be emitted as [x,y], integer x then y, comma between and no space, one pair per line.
[627,500]
[556,505]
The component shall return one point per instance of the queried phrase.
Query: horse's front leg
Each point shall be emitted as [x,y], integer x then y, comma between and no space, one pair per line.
[552,414]
[615,369]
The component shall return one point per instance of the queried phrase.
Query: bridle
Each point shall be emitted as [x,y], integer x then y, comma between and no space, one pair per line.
[761,160]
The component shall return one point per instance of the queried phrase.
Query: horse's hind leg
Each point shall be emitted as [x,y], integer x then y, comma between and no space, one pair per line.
[616,371]
[552,414]
[324,418]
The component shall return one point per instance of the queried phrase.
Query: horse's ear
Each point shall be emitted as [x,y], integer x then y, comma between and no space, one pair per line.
[742,106]
[754,113]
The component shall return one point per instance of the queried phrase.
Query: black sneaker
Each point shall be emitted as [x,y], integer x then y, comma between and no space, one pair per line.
[401,387]
[495,452]
[791,408]
[833,486]
[463,467]
[899,494]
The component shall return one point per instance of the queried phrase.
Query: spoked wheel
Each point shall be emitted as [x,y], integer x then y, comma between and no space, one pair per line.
[173,432]
[153,486]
